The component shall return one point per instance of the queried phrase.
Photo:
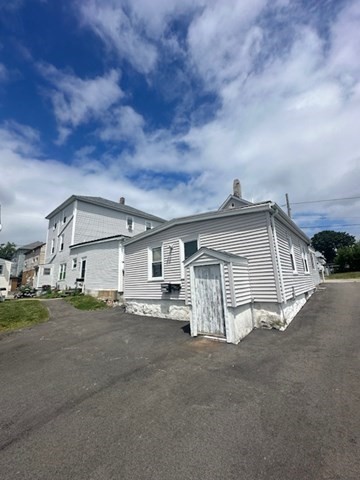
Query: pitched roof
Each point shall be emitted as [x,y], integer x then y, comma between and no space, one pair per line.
[31,246]
[103,202]
[253,208]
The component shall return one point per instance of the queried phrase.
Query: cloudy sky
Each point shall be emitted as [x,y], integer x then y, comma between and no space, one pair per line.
[165,102]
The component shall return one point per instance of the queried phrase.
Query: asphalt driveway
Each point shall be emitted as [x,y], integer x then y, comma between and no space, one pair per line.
[106,395]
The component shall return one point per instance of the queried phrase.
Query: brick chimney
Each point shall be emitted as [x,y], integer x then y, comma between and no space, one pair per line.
[237,188]
[122,200]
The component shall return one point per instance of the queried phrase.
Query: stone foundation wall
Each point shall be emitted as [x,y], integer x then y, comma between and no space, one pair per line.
[174,309]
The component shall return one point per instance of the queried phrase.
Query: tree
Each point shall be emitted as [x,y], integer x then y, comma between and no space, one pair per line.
[328,242]
[348,258]
[7,250]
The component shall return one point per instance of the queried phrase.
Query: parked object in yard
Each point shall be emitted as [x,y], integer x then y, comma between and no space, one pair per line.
[25,292]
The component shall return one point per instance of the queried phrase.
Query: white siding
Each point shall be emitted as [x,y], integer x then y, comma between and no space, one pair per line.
[243,235]
[294,283]
[102,266]
[5,275]
[241,282]
[93,221]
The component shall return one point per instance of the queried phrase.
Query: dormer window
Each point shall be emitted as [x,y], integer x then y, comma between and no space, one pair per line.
[130,223]
[148,225]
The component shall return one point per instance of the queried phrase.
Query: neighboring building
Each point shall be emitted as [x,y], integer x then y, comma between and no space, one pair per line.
[243,266]
[17,263]
[33,259]
[321,265]
[84,244]
[5,271]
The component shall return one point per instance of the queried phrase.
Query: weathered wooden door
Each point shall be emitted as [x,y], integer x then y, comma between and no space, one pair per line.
[208,299]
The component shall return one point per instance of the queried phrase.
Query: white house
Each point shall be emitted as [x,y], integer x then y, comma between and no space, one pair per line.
[244,266]
[85,243]
[5,271]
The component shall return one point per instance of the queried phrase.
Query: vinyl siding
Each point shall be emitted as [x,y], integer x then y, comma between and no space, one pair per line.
[241,281]
[102,265]
[243,235]
[301,282]
[93,221]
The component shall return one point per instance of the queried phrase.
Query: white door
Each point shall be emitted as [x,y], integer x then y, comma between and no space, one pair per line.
[208,300]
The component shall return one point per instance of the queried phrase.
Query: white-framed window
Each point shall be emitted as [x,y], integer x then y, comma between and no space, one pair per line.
[61,244]
[62,271]
[130,223]
[53,245]
[156,262]
[1,269]
[64,219]
[305,260]
[47,271]
[54,226]
[292,255]
[148,225]
[74,263]
[312,261]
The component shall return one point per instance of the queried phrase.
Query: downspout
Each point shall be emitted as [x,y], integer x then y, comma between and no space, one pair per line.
[277,253]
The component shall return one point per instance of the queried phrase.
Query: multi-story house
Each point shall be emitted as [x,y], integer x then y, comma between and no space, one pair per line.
[84,245]
[33,259]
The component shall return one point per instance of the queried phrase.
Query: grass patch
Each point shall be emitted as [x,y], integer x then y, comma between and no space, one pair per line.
[86,302]
[15,314]
[343,276]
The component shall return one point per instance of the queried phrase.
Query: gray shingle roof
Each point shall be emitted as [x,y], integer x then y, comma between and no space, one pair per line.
[103,202]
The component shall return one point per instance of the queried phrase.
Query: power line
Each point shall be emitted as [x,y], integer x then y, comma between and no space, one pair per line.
[321,201]
[334,226]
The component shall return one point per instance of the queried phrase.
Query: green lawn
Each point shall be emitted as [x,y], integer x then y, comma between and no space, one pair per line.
[16,314]
[343,276]
[86,302]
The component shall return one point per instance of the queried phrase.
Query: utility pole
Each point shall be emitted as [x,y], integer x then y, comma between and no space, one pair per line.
[288,205]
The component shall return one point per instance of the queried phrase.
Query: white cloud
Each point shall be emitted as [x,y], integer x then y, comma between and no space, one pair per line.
[110,22]
[76,100]
[3,73]
[122,123]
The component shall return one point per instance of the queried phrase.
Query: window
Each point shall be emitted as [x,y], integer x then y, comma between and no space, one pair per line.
[292,255]
[190,248]
[130,223]
[74,263]
[1,269]
[156,262]
[148,225]
[312,261]
[305,260]
[62,271]
[54,226]
[53,245]
[47,271]
[64,219]
[61,245]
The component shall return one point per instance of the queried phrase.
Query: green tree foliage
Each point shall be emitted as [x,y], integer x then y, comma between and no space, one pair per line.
[348,258]
[7,250]
[328,242]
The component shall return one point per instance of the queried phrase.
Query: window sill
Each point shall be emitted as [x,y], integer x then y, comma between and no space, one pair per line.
[156,279]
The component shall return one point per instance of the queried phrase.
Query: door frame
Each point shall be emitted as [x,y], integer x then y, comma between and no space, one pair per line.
[193,315]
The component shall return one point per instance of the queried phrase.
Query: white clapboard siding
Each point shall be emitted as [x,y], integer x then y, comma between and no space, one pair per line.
[294,283]
[241,281]
[94,221]
[244,235]
[102,266]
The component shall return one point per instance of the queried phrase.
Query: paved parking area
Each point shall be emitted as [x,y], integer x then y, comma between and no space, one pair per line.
[105,395]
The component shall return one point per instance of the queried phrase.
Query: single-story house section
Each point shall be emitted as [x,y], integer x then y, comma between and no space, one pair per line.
[246,265]
[97,266]
[5,272]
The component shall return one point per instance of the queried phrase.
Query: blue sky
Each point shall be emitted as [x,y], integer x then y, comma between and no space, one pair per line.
[166,102]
